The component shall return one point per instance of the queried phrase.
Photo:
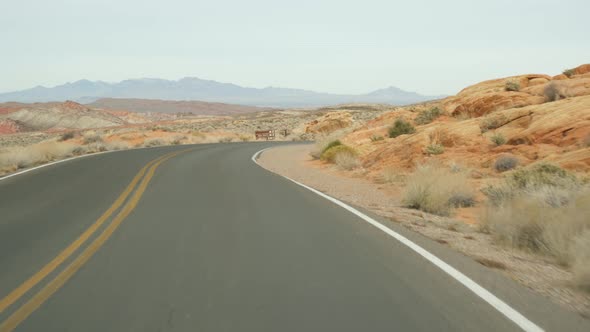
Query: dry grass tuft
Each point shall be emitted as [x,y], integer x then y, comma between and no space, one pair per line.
[377,138]
[552,92]
[492,122]
[347,160]
[491,263]
[23,157]
[434,189]
[543,209]
[427,116]
[434,149]
[391,175]
[150,142]
[330,154]
[442,137]
[91,137]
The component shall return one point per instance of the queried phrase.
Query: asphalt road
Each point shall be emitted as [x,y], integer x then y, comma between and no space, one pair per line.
[209,241]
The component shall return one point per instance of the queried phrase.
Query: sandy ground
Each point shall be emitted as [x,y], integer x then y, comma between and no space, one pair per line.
[535,272]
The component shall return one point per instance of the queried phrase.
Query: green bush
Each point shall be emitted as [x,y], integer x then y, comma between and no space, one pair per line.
[401,127]
[427,116]
[331,145]
[330,154]
[435,149]
[569,72]
[498,139]
[512,86]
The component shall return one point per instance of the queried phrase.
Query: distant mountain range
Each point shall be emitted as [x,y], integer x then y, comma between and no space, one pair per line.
[190,88]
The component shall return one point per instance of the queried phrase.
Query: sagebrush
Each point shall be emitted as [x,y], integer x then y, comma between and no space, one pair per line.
[435,189]
[543,208]
[512,86]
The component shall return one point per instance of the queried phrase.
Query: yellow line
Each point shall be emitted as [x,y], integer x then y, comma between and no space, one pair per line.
[36,301]
[9,299]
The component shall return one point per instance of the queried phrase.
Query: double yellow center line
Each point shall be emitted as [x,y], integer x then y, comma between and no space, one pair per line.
[144,175]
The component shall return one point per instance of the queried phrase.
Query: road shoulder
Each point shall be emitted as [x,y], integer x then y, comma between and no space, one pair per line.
[546,279]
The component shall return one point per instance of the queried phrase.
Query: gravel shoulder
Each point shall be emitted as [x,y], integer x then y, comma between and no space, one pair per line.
[535,272]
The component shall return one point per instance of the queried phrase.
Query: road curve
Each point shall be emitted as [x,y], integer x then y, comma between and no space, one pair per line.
[200,238]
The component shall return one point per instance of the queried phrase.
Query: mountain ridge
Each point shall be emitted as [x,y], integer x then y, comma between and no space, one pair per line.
[197,89]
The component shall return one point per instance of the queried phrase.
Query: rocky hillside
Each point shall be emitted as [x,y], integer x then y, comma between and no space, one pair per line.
[15,117]
[531,117]
[173,106]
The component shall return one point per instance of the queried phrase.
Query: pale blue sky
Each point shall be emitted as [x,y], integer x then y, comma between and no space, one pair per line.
[432,47]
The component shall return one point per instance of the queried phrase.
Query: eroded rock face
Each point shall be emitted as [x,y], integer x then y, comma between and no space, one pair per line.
[534,128]
[8,126]
[491,96]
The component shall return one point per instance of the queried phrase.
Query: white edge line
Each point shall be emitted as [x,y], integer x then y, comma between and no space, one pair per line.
[483,293]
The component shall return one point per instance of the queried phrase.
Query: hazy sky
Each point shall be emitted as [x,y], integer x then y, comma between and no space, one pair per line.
[428,46]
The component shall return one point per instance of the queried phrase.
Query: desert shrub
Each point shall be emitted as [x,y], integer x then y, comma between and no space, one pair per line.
[454,167]
[376,138]
[67,136]
[492,122]
[442,136]
[505,163]
[226,139]
[346,160]
[330,154]
[542,174]
[92,137]
[401,127]
[543,209]
[437,190]
[153,142]
[32,155]
[498,139]
[435,149]
[330,145]
[178,139]
[544,219]
[97,147]
[427,116]
[322,144]
[79,150]
[552,92]
[512,86]
[569,72]
[244,138]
